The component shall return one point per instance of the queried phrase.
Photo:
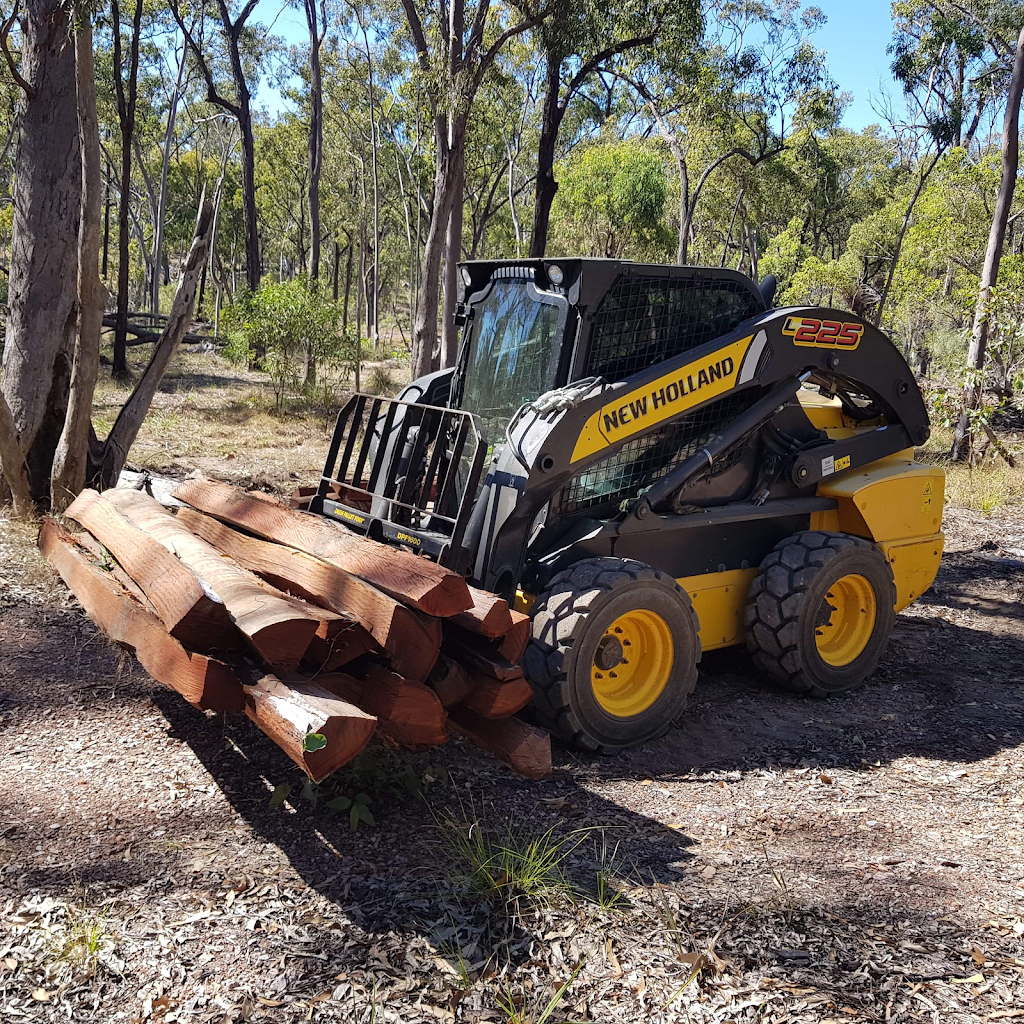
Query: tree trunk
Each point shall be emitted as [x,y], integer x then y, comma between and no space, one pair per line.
[161,209]
[71,458]
[546,188]
[12,463]
[348,289]
[993,253]
[452,255]
[105,472]
[46,203]
[316,137]
[424,331]
[334,275]
[126,119]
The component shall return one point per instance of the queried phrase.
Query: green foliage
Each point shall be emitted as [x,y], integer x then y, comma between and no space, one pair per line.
[611,201]
[284,325]
[374,775]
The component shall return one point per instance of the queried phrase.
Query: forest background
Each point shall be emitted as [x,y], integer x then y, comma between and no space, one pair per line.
[308,198]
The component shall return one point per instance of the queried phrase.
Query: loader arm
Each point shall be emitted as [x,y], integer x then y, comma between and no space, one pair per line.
[840,353]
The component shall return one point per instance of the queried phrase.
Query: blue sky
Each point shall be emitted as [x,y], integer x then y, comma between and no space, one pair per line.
[855,38]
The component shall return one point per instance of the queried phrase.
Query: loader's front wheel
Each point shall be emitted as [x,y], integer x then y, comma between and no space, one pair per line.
[614,653]
[820,611]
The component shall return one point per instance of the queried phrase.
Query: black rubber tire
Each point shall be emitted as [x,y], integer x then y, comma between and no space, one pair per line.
[568,620]
[786,596]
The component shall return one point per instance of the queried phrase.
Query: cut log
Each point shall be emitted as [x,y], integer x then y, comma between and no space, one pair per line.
[475,653]
[102,559]
[489,615]
[450,681]
[188,612]
[513,643]
[494,698]
[409,715]
[406,577]
[337,647]
[204,682]
[278,628]
[288,713]
[522,747]
[410,640]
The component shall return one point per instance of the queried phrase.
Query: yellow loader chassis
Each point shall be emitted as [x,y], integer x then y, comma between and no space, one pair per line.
[897,503]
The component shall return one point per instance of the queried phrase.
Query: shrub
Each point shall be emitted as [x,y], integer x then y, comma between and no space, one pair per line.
[285,325]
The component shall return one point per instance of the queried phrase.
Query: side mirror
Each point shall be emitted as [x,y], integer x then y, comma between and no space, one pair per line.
[768,287]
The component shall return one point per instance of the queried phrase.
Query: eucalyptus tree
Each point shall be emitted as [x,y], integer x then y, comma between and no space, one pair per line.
[456,45]
[581,38]
[240,43]
[46,201]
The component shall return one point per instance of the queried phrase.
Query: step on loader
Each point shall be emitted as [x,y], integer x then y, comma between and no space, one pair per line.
[653,462]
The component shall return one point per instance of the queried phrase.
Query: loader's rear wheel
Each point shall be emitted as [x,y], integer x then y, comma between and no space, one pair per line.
[820,611]
[614,653]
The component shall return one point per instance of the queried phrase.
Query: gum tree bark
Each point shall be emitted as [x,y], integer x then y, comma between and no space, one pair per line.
[71,458]
[42,308]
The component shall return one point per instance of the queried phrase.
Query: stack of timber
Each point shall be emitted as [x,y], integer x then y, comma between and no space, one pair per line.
[324,638]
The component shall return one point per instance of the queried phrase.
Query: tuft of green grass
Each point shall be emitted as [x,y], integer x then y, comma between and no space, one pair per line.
[83,941]
[519,1009]
[607,894]
[511,866]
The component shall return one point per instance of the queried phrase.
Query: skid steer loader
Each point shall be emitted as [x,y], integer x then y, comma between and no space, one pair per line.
[654,462]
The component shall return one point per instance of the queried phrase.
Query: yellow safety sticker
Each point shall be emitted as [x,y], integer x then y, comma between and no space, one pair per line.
[926,499]
[638,410]
[843,463]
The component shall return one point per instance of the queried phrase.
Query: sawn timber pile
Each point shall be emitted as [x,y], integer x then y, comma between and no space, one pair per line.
[240,602]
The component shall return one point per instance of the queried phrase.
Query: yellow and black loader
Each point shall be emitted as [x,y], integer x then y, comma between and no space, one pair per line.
[655,463]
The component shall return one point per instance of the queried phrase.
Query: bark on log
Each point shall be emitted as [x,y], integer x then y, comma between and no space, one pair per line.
[410,640]
[513,643]
[186,609]
[416,581]
[204,682]
[288,713]
[494,698]
[409,715]
[279,628]
[522,747]
[489,615]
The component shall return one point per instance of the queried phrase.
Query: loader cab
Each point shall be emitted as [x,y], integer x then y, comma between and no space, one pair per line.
[533,325]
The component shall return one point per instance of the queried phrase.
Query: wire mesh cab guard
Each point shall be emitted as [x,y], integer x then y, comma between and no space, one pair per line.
[404,472]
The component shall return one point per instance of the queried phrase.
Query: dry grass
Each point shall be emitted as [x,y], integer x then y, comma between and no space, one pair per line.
[984,486]
[220,418]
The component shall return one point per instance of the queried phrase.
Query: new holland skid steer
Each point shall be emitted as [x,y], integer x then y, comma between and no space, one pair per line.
[654,463]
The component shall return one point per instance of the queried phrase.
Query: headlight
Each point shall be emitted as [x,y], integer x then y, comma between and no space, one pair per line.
[555,275]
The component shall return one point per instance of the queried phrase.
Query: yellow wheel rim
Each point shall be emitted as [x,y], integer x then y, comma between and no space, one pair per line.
[845,620]
[632,663]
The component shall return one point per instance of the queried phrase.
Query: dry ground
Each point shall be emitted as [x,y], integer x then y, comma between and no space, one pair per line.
[851,860]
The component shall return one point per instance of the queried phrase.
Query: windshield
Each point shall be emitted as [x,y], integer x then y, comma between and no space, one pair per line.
[515,350]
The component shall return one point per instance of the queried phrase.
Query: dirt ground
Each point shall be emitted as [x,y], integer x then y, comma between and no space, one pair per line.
[772,859]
